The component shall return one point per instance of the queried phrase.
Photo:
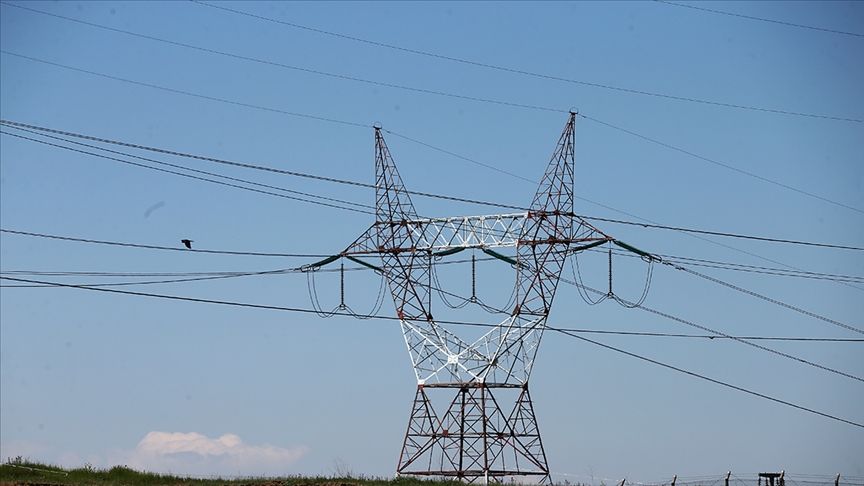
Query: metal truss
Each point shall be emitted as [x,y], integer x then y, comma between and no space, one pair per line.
[474,437]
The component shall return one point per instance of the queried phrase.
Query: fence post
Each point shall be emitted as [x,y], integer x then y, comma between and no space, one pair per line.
[675,478]
[728,473]
[837,480]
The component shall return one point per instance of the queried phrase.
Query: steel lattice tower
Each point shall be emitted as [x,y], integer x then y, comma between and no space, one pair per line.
[488,428]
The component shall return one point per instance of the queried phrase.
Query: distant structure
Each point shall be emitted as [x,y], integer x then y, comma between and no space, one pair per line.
[776,479]
[472,416]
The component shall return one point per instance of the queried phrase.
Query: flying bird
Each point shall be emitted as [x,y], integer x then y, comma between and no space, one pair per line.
[188,243]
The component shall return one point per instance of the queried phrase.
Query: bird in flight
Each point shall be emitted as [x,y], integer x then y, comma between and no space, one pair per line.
[188,243]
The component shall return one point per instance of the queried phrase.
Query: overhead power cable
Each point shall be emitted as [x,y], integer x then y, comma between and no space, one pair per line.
[441,150]
[631,305]
[718,233]
[155,247]
[725,166]
[790,24]
[294,68]
[187,93]
[181,174]
[180,276]
[418,193]
[712,380]
[247,166]
[167,281]
[738,267]
[394,318]
[767,299]
[523,72]
[197,171]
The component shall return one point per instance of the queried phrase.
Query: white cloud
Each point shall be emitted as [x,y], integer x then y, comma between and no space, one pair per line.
[196,454]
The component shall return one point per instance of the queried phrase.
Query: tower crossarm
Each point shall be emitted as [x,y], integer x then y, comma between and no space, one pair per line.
[465,232]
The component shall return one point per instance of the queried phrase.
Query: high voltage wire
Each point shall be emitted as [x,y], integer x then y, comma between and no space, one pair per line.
[519,71]
[288,271]
[629,132]
[717,233]
[767,299]
[754,294]
[187,93]
[184,175]
[247,166]
[678,267]
[18,125]
[727,336]
[712,380]
[155,247]
[182,277]
[726,166]
[737,267]
[409,88]
[668,258]
[393,318]
[295,68]
[234,179]
[790,24]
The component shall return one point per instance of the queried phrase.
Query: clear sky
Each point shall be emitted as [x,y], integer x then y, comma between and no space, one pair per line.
[688,118]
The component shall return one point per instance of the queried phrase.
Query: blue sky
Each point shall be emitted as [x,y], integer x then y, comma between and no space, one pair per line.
[688,118]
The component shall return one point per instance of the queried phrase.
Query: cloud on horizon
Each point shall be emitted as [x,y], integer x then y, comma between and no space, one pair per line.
[196,454]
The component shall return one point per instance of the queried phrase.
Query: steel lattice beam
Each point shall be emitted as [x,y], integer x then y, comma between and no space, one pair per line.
[474,437]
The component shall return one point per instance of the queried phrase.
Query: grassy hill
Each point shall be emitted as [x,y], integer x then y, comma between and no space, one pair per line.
[23,472]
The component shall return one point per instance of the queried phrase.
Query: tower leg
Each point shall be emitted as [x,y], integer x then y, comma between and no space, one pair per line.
[471,436]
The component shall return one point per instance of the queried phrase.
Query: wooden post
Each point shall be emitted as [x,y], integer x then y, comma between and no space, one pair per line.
[675,478]
[837,480]
[728,473]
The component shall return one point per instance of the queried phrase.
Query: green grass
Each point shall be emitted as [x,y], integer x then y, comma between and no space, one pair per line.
[23,471]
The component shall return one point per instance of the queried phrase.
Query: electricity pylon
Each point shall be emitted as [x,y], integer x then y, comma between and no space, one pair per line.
[488,430]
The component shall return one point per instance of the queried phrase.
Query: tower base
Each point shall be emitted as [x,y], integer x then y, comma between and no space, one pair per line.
[473,438]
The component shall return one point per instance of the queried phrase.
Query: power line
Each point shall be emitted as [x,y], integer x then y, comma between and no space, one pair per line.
[738,267]
[727,336]
[204,179]
[393,318]
[234,179]
[418,193]
[186,93]
[712,380]
[155,247]
[296,68]
[247,166]
[725,166]
[760,19]
[717,233]
[441,150]
[190,276]
[767,299]
[526,73]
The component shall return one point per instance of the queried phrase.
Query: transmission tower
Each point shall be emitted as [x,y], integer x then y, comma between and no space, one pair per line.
[472,415]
